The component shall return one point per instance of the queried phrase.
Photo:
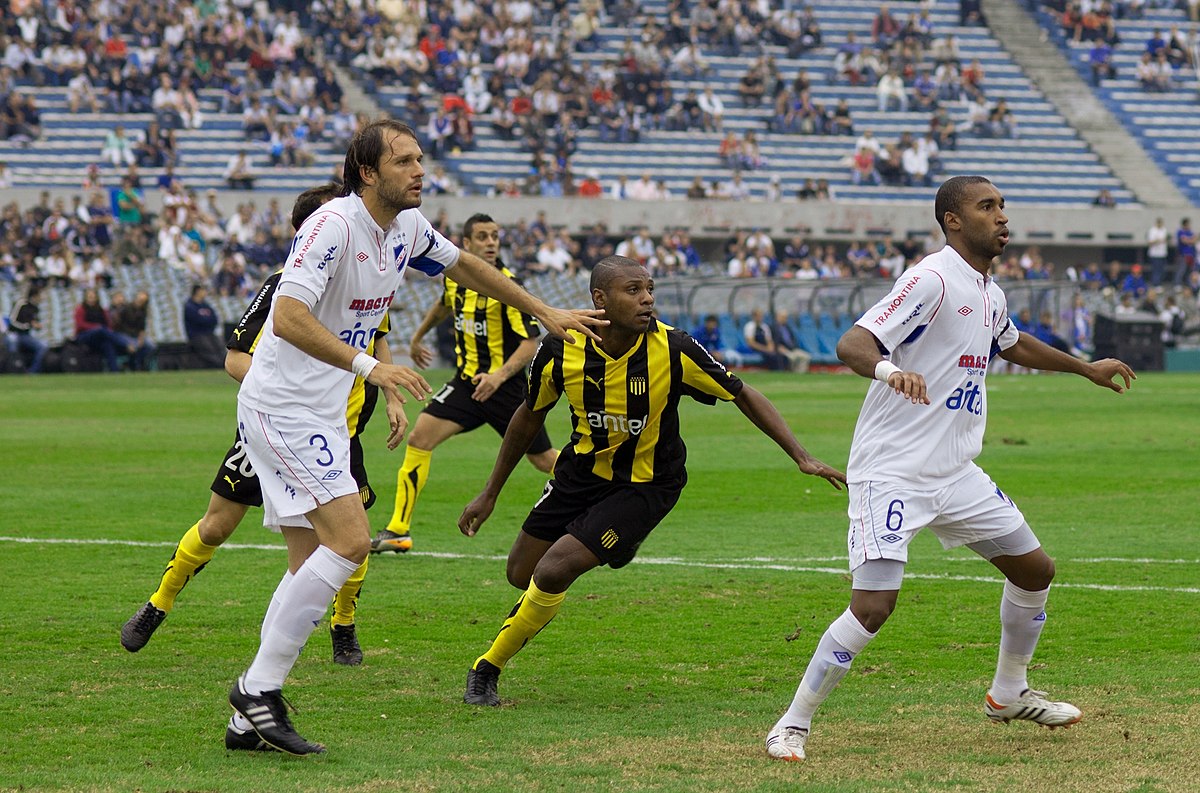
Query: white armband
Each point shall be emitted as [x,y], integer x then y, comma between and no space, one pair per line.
[885,369]
[363,365]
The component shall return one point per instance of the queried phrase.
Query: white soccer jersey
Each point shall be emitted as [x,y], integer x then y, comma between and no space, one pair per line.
[347,270]
[944,321]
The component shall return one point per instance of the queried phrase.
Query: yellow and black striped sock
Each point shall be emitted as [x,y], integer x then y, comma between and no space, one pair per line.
[189,559]
[410,481]
[346,600]
[533,612]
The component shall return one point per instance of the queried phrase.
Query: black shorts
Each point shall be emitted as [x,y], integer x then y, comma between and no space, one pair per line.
[453,402]
[237,482]
[610,518]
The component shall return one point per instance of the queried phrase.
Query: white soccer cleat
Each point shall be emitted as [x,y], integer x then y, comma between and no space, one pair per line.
[787,743]
[1033,706]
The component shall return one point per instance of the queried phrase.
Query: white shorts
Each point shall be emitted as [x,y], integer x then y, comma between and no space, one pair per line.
[885,516]
[301,465]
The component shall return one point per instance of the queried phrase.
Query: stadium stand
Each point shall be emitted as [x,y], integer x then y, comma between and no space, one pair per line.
[1164,114]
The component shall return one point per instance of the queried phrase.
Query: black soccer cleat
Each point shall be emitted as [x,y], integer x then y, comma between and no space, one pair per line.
[481,684]
[141,626]
[267,714]
[247,741]
[346,649]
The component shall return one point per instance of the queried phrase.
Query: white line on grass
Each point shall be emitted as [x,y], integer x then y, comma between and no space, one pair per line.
[756,563]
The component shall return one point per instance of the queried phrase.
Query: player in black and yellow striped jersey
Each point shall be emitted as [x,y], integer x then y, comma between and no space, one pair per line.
[235,488]
[493,344]
[623,470]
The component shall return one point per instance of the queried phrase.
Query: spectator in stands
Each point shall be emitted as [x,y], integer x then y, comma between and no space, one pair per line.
[130,320]
[862,167]
[24,327]
[1100,61]
[118,149]
[708,333]
[239,172]
[696,190]
[93,329]
[1185,252]
[1172,318]
[1104,199]
[20,120]
[644,189]
[200,324]
[590,187]
[1001,122]
[759,337]
[130,204]
[1134,284]
[842,123]
[915,160]
[885,29]
[787,345]
[753,85]
[81,90]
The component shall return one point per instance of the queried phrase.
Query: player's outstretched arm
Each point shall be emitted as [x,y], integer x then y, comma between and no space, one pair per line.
[764,415]
[422,356]
[1035,354]
[859,350]
[474,273]
[522,429]
[295,324]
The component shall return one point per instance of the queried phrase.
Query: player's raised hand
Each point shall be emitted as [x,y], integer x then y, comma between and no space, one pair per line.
[422,356]
[814,467]
[909,385]
[1103,371]
[557,321]
[476,513]
[390,376]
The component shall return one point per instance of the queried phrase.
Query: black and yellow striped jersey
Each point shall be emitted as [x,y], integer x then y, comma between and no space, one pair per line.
[625,411]
[249,328]
[486,332]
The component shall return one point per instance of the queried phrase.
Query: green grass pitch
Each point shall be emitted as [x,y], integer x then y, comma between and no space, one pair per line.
[663,676]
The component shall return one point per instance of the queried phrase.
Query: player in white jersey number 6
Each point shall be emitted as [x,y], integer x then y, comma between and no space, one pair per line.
[912,458]
[346,263]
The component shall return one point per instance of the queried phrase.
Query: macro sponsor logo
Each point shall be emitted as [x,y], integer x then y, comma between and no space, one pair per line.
[298,259]
[611,423]
[974,364]
[371,304]
[898,300]
[470,327]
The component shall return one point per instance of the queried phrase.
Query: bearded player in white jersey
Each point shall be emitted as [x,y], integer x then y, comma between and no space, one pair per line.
[346,263]
[912,458]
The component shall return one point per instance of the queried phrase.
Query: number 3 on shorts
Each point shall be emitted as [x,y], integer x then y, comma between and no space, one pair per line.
[324,447]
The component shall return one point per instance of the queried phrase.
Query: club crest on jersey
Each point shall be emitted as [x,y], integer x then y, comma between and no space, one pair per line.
[892,307]
[637,386]
[398,252]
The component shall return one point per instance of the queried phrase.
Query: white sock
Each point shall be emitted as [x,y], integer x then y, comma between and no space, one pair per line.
[300,610]
[1022,616]
[239,723]
[276,599]
[844,639]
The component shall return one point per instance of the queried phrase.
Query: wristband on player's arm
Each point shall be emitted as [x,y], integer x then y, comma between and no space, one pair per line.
[885,369]
[363,365]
